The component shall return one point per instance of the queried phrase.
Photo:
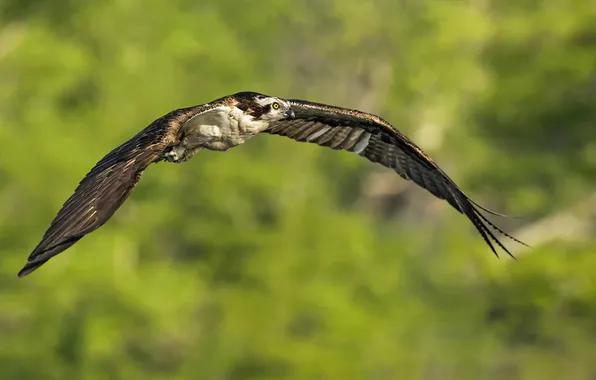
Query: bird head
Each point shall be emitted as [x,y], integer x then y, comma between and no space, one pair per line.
[264,107]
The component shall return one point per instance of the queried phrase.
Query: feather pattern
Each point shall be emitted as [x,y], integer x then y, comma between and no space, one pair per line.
[228,122]
[378,141]
[107,185]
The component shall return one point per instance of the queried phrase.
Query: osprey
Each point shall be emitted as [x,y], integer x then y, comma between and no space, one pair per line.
[228,122]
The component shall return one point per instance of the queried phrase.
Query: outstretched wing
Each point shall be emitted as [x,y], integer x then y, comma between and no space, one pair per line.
[378,141]
[105,188]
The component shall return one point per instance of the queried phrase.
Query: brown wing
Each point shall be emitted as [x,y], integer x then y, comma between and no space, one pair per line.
[106,187]
[378,141]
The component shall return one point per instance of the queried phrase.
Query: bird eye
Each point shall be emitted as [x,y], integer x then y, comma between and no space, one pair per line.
[275,105]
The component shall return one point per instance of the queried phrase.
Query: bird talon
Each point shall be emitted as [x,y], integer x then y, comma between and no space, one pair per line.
[174,155]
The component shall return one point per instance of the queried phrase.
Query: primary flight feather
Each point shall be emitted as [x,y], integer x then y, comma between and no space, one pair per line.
[228,122]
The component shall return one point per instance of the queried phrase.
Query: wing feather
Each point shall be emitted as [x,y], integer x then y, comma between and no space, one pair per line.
[106,186]
[378,141]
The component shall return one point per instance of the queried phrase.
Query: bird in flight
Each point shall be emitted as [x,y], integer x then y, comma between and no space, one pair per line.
[228,122]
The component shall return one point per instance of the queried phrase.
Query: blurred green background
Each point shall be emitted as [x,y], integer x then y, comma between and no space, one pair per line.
[281,260]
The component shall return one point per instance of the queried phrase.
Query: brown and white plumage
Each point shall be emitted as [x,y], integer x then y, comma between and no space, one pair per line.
[175,137]
[375,139]
[228,122]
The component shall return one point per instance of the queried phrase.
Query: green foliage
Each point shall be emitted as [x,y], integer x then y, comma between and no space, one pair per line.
[264,263]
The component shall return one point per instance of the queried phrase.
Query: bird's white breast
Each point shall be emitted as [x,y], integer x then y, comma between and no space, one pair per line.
[221,128]
[210,130]
[246,124]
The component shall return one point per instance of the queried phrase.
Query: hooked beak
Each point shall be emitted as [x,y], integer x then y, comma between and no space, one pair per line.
[290,113]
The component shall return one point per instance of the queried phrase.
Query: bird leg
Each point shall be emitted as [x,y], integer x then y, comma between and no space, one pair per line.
[179,153]
[175,154]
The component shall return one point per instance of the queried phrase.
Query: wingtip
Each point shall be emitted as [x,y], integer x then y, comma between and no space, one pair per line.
[23,272]
[28,268]
[498,230]
[495,213]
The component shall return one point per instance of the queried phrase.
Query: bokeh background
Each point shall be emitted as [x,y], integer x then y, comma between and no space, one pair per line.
[280,260]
